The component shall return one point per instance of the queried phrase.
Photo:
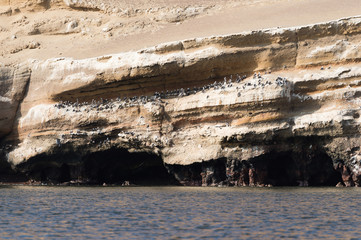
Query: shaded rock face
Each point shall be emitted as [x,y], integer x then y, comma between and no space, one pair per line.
[211,173]
[262,108]
[13,84]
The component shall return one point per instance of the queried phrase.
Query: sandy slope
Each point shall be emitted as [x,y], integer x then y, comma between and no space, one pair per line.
[80,34]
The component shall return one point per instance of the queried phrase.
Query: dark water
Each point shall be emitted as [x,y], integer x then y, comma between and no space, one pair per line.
[179,213]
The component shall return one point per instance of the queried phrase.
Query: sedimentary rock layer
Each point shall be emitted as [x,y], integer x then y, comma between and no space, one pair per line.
[13,84]
[277,106]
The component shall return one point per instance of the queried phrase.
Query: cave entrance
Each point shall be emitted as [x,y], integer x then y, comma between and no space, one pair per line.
[295,169]
[55,168]
[9,175]
[117,166]
[113,166]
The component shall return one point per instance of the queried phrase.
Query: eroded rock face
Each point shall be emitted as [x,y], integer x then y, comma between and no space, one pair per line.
[295,120]
[13,84]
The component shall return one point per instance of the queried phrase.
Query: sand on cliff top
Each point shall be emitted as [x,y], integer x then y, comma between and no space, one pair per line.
[73,32]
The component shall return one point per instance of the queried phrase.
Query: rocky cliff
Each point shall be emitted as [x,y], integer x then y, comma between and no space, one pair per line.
[269,107]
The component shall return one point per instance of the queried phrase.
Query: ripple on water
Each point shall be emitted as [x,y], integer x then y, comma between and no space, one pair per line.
[178,212]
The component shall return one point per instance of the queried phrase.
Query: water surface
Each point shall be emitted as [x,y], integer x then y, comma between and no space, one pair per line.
[178,213]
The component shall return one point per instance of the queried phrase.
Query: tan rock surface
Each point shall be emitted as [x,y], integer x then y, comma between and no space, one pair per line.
[13,84]
[303,102]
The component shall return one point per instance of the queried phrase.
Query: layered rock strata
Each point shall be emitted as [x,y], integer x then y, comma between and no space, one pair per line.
[13,84]
[270,107]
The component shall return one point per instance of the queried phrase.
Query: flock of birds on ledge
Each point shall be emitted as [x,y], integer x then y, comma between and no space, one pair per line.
[103,104]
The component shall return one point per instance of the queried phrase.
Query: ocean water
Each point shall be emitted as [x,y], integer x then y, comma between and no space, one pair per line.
[179,213]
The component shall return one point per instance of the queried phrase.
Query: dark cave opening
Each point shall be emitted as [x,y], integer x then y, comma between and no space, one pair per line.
[8,174]
[113,166]
[304,167]
[116,166]
[295,169]
[55,168]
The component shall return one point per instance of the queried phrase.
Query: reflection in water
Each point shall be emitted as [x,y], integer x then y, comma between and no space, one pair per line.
[178,212]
